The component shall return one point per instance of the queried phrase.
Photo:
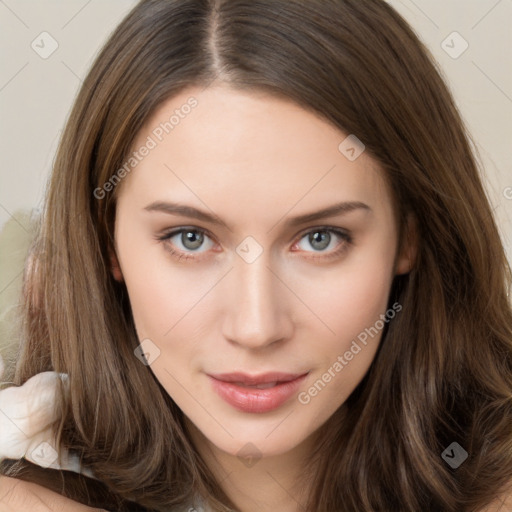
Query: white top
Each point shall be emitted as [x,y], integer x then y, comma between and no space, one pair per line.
[26,415]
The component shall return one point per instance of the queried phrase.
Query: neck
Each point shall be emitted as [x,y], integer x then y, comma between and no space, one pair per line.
[255,484]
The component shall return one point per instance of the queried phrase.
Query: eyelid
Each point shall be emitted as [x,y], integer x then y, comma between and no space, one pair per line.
[323,228]
[344,234]
[177,254]
[166,235]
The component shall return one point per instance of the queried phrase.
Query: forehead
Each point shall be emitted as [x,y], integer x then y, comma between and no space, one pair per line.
[250,150]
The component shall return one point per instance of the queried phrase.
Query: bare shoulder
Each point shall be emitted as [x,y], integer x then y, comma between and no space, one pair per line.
[501,504]
[506,503]
[19,496]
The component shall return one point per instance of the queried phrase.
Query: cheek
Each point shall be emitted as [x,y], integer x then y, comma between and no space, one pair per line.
[352,297]
[167,309]
[153,302]
[353,312]
[355,303]
[161,293]
[350,303]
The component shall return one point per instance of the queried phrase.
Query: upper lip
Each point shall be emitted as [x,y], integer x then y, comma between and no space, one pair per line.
[252,380]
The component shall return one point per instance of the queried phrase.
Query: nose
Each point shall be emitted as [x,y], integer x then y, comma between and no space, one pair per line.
[257,305]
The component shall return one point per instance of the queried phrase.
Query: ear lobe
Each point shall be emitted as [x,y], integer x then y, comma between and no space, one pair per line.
[407,254]
[115,268]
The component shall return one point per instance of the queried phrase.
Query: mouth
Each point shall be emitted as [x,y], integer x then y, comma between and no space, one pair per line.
[256,393]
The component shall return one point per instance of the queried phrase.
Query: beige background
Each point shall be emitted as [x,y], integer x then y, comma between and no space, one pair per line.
[36,94]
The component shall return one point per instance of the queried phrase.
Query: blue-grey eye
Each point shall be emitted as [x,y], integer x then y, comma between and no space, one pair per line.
[321,239]
[190,239]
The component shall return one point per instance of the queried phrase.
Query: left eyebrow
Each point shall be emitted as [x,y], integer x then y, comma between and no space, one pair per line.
[331,211]
[194,213]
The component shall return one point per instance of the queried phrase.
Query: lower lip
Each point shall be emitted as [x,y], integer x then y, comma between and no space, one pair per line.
[256,400]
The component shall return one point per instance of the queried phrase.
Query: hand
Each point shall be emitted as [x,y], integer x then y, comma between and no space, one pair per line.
[20,496]
[29,412]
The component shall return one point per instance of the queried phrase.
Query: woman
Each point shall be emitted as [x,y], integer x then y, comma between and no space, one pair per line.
[269,273]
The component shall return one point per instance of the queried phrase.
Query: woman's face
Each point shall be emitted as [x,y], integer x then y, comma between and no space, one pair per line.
[260,317]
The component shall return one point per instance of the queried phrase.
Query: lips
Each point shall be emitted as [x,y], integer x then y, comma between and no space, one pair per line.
[256,393]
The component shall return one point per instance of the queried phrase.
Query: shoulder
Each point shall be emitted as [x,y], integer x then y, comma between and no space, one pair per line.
[502,503]
[20,496]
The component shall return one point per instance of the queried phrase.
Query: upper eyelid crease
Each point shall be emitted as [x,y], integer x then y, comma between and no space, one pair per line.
[170,233]
[192,212]
[339,232]
[346,242]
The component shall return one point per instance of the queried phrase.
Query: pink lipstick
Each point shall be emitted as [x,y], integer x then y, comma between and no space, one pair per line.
[256,393]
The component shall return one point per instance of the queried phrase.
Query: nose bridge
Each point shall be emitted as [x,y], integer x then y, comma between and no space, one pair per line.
[256,311]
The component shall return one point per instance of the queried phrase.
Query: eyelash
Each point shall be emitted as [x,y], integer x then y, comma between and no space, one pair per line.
[346,242]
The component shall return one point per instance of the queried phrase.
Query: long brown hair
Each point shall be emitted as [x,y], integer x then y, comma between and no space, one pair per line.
[443,371]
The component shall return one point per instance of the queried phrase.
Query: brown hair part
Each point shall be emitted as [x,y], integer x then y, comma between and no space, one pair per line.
[443,371]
